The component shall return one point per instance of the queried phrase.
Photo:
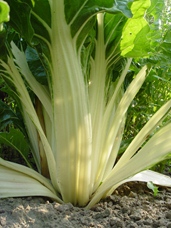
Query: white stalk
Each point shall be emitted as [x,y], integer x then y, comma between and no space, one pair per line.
[72,125]
[97,95]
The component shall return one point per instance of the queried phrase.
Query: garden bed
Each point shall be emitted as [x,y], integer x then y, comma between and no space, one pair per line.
[132,205]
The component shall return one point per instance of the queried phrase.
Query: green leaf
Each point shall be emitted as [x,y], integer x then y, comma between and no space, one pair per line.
[16,140]
[167,37]
[154,16]
[8,116]
[81,16]
[3,51]
[20,13]
[36,65]
[4,13]
[155,10]
[80,11]
[112,36]
[135,32]
[154,188]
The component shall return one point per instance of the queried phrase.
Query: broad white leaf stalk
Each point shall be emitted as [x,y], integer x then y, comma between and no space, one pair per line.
[76,124]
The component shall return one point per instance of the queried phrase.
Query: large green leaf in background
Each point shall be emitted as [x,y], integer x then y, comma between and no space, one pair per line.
[131,44]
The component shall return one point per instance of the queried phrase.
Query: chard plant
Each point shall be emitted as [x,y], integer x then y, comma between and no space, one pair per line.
[65,63]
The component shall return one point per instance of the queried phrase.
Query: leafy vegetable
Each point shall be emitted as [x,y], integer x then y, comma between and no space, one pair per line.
[68,70]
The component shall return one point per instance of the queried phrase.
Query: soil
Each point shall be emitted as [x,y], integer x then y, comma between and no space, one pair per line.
[131,205]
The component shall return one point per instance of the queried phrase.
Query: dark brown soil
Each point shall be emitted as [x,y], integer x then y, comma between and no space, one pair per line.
[131,205]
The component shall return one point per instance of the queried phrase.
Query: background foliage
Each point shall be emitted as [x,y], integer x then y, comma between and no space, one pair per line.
[157,88]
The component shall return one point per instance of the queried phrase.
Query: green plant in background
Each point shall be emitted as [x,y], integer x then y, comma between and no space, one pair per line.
[66,64]
[156,89]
